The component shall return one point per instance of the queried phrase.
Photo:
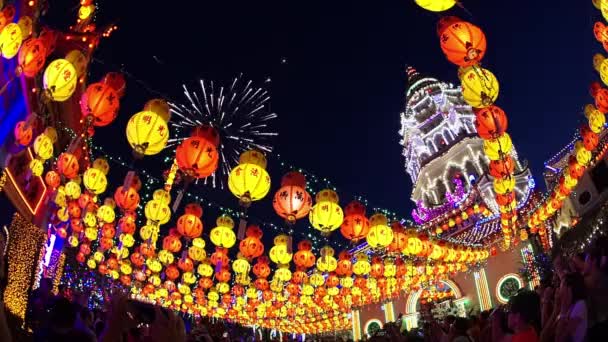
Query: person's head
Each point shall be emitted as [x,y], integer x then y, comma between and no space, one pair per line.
[448,321]
[559,264]
[62,315]
[575,284]
[483,316]
[86,316]
[460,326]
[577,262]
[524,311]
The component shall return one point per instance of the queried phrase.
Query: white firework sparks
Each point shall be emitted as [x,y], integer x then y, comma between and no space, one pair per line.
[240,113]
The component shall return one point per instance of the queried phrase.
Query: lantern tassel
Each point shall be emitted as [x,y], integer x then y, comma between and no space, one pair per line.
[5,86]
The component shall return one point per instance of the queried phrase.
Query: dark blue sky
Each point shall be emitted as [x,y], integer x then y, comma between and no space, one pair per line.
[341,91]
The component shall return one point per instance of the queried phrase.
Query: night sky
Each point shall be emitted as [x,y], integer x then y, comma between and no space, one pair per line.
[337,71]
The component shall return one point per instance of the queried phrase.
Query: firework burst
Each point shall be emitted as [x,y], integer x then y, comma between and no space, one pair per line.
[239,112]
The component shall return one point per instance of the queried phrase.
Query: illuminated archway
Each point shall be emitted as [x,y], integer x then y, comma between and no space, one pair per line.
[411,312]
[371,323]
[507,285]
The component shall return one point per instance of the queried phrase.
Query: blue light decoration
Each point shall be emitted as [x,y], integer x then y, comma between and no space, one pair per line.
[12,101]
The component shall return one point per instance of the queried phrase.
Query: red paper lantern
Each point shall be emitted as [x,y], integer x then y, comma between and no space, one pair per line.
[172,243]
[304,257]
[52,179]
[490,122]
[99,103]
[172,272]
[590,138]
[23,133]
[127,200]
[194,209]
[251,247]
[502,168]
[32,57]
[67,165]
[190,226]
[355,226]
[292,201]
[185,264]
[463,43]
[197,156]
[601,96]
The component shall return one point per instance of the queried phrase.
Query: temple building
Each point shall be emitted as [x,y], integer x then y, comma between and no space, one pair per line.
[454,199]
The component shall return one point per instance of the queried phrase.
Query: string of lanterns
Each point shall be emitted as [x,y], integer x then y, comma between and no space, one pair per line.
[178,273]
[586,145]
[464,44]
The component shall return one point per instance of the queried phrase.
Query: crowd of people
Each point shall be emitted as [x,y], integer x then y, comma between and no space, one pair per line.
[571,305]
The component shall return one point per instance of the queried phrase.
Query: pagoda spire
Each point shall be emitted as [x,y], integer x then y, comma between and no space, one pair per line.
[412,73]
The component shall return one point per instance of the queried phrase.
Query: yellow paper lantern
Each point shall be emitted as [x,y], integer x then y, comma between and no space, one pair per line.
[380,235]
[43,146]
[157,211]
[436,5]
[223,235]
[78,60]
[479,86]
[154,265]
[326,215]
[595,118]
[72,190]
[25,24]
[503,186]
[361,266]
[165,257]
[197,253]
[414,244]
[600,63]
[240,266]
[249,181]
[279,255]
[11,38]
[205,270]
[327,262]
[37,167]
[95,181]
[496,148]
[73,240]
[84,12]
[106,213]
[316,279]
[127,240]
[147,133]
[583,156]
[60,80]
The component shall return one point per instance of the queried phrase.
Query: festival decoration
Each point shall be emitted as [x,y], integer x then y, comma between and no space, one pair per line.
[249,181]
[147,133]
[197,156]
[239,112]
[326,215]
[60,80]
[292,201]
[436,5]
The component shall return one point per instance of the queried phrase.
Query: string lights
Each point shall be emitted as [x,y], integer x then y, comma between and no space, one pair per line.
[22,256]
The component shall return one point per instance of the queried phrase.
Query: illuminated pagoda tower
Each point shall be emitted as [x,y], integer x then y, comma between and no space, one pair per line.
[444,158]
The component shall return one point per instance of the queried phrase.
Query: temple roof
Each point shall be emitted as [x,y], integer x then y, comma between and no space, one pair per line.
[417,81]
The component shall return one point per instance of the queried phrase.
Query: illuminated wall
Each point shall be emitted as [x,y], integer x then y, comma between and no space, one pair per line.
[25,242]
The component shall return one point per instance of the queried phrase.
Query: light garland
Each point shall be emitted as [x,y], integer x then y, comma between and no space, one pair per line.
[483,290]
[22,256]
